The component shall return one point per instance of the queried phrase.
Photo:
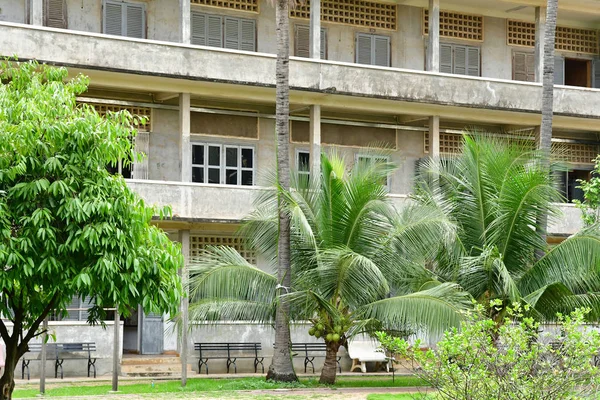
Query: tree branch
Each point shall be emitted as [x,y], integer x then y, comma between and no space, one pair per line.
[31,333]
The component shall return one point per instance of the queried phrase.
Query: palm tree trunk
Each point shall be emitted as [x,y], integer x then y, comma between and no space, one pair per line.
[545,135]
[329,371]
[282,368]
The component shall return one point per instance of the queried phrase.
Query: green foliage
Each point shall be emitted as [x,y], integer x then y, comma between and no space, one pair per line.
[68,227]
[590,207]
[512,360]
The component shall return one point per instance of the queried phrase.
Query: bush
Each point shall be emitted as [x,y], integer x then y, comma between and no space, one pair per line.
[514,360]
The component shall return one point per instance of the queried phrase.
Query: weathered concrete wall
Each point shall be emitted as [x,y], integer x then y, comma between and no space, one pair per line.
[496,55]
[12,11]
[84,15]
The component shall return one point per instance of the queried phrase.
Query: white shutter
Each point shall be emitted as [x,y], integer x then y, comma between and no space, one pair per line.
[596,74]
[135,21]
[55,13]
[382,51]
[559,70]
[248,35]
[215,31]
[113,18]
[364,45]
[198,27]
[473,61]
[232,33]
[302,41]
[460,60]
[446,58]
[142,145]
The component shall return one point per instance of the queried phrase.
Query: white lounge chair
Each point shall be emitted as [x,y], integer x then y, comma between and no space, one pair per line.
[363,350]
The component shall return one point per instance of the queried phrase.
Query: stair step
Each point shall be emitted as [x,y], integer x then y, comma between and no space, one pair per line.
[150,360]
[152,367]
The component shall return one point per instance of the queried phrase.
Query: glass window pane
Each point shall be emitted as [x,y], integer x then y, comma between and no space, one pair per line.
[214,175]
[231,156]
[198,174]
[231,177]
[248,158]
[214,155]
[247,178]
[198,154]
[303,162]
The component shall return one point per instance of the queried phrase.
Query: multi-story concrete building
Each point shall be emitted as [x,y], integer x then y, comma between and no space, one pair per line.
[408,75]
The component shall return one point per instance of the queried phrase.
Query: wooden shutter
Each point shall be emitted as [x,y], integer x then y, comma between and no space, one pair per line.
[142,145]
[446,58]
[248,35]
[596,73]
[302,41]
[364,45]
[199,28]
[559,70]
[323,44]
[473,61]
[460,60]
[113,18]
[215,31]
[135,21]
[232,33]
[55,13]
[523,66]
[382,51]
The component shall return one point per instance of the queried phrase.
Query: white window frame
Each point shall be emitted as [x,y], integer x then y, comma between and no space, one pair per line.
[358,156]
[124,16]
[222,161]
[298,152]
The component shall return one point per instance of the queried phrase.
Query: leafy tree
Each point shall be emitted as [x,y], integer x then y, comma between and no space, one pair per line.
[349,247]
[68,227]
[524,363]
[494,192]
[590,207]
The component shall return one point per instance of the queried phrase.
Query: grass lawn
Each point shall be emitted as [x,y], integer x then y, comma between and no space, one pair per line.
[214,385]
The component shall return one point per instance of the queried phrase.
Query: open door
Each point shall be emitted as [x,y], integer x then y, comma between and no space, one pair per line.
[152,333]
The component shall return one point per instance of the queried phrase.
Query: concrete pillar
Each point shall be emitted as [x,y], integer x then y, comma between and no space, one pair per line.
[185,15]
[434,137]
[116,349]
[433,46]
[315,140]
[540,31]
[184,239]
[185,148]
[315,29]
[36,12]
[43,357]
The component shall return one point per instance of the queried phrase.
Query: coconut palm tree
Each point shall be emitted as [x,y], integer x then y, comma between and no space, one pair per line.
[349,247]
[494,192]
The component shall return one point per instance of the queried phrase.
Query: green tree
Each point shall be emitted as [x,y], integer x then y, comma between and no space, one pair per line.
[494,192]
[590,207]
[68,227]
[349,247]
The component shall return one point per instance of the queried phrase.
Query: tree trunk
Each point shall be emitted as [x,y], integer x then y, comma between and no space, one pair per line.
[545,134]
[281,368]
[330,366]
[7,381]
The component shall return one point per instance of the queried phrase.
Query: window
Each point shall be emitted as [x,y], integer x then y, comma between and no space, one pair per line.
[456,25]
[523,66]
[55,13]
[124,19]
[459,59]
[373,49]
[225,32]
[369,159]
[576,72]
[199,242]
[302,42]
[303,162]
[371,14]
[77,310]
[223,164]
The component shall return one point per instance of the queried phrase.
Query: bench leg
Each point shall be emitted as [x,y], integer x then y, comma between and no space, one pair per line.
[309,360]
[58,364]
[230,362]
[358,364]
[202,362]
[259,361]
[25,365]
[339,364]
[91,364]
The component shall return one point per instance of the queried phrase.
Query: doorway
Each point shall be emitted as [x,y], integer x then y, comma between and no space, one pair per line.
[578,72]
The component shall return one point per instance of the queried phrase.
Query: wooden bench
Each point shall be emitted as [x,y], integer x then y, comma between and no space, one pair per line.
[230,352]
[311,351]
[59,352]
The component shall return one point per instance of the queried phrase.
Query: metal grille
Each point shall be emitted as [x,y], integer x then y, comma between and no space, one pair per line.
[457,26]
[145,112]
[578,40]
[199,242]
[450,143]
[352,12]
[576,153]
[240,5]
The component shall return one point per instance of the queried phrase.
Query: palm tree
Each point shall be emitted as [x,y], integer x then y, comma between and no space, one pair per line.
[494,193]
[349,248]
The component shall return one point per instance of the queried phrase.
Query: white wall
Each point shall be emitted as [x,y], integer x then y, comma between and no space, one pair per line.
[12,11]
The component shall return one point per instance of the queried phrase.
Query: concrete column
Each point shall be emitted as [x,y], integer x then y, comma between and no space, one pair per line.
[315,29]
[43,357]
[433,46]
[185,148]
[315,140]
[36,12]
[540,31]
[116,341]
[434,137]
[185,15]
[184,239]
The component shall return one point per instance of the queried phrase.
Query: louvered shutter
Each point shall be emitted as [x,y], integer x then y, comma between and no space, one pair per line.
[446,58]
[364,45]
[232,33]
[86,303]
[248,35]
[142,145]
[215,31]
[302,41]
[55,13]
[519,66]
[530,64]
[473,61]
[73,313]
[559,70]
[113,18]
[135,21]
[198,28]
[596,72]
[323,44]
[382,51]
[460,60]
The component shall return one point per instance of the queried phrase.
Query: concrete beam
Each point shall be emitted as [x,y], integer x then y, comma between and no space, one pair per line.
[315,29]
[36,12]
[315,140]
[184,239]
[434,137]
[433,46]
[185,148]
[540,31]
[185,15]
